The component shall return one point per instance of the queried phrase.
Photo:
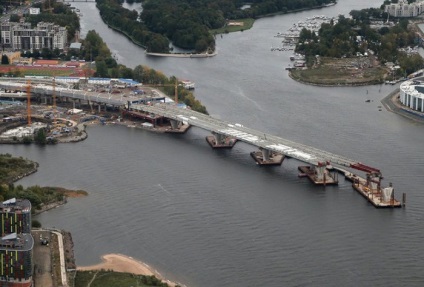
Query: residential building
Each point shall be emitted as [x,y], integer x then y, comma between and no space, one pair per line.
[16,243]
[403,9]
[21,36]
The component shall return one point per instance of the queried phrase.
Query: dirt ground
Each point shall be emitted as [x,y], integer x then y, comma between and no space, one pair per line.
[344,71]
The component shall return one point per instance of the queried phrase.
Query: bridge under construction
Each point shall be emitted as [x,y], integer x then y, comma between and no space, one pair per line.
[272,149]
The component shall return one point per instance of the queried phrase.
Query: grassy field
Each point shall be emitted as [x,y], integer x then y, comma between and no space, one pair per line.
[347,71]
[247,24]
[114,279]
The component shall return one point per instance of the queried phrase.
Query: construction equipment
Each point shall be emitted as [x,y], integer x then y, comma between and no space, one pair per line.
[168,85]
[28,91]
[54,101]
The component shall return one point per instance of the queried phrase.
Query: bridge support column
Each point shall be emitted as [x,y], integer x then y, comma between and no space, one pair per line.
[267,157]
[177,127]
[319,174]
[217,140]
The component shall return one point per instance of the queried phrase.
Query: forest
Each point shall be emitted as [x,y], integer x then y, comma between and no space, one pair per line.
[186,23]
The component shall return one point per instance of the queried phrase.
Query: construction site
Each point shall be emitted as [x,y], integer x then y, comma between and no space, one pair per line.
[26,115]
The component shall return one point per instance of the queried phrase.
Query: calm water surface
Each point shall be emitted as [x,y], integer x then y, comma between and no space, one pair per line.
[214,218]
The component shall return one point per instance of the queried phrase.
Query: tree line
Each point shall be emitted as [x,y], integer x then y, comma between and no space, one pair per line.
[106,66]
[186,22]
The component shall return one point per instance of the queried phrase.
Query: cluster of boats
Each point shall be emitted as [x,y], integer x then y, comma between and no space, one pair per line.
[291,37]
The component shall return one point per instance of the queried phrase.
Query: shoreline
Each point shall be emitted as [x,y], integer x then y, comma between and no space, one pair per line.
[182,55]
[123,263]
[391,104]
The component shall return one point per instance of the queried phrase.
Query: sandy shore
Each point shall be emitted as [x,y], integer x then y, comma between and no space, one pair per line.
[122,263]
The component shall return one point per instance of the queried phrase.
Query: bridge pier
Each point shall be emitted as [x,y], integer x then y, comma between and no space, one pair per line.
[267,157]
[177,127]
[319,175]
[217,140]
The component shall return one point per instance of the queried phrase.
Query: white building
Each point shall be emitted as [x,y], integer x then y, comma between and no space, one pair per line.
[403,9]
[34,11]
[20,36]
[412,94]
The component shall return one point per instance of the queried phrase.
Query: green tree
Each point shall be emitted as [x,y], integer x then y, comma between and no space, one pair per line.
[27,140]
[4,60]
[35,223]
[14,18]
[101,69]
[40,137]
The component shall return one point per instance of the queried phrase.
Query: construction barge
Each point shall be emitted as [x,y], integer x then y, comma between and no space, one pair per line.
[262,159]
[318,176]
[371,189]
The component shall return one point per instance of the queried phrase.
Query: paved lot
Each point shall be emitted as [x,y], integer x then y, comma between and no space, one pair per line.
[42,260]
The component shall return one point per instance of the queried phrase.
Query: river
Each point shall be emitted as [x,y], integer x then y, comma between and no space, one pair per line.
[213,218]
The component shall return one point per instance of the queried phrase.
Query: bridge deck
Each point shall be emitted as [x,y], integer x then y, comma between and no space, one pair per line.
[288,148]
[301,152]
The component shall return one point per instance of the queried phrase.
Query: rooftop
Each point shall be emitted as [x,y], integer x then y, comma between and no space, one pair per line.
[13,241]
[15,205]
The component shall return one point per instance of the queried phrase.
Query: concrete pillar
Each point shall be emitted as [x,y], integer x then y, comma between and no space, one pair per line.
[175,124]
[79,103]
[219,138]
[265,154]
[320,172]
[100,108]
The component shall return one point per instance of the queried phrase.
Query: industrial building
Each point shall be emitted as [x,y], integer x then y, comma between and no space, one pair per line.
[412,94]
[16,243]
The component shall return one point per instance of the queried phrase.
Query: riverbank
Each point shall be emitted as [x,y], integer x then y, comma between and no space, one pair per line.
[182,55]
[123,263]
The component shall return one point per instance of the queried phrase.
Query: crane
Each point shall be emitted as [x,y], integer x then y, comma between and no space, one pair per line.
[54,101]
[28,91]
